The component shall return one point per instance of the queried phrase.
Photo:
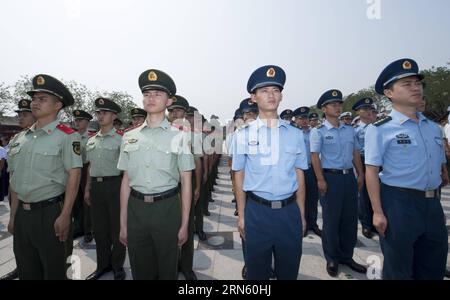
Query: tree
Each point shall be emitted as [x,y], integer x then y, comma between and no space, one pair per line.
[437,92]
[124,100]
[83,96]
[5,99]
[437,89]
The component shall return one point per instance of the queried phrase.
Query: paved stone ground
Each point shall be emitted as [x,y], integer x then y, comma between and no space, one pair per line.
[220,257]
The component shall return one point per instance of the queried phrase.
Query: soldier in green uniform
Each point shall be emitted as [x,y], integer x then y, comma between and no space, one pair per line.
[26,120]
[138,116]
[103,189]
[118,124]
[154,158]
[81,210]
[201,166]
[177,114]
[45,174]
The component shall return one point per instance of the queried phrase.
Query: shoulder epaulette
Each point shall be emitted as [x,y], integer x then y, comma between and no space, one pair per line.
[131,128]
[243,126]
[91,134]
[120,132]
[382,121]
[296,127]
[65,129]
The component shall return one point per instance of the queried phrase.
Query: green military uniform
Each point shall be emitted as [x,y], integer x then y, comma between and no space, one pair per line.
[138,112]
[81,210]
[198,154]
[24,105]
[154,159]
[40,161]
[186,261]
[102,151]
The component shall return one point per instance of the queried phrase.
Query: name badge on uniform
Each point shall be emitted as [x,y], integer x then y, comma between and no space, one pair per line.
[403,139]
[253,143]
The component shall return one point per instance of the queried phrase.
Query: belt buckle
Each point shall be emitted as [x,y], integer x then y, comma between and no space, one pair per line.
[276,205]
[26,206]
[430,194]
[99,179]
[345,172]
[149,199]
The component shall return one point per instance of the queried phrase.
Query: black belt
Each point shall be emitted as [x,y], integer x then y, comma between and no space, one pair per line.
[150,198]
[102,179]
[272,204]
[41,204]
[336,171]
[423,194]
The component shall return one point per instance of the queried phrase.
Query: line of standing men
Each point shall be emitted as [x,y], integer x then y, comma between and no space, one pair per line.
[405,168]
[145,173]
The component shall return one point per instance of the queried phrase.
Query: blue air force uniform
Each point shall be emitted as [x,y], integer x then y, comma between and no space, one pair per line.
[411,155]
[365,212]
[269,158]
[312,194]
[339,205]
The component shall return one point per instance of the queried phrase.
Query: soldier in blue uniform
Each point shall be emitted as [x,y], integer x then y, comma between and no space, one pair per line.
[269,157]
[346,118]
[312,195]
[407,212]
[313,120]
[249,110]
[364,107]
[286,115]
[336,144]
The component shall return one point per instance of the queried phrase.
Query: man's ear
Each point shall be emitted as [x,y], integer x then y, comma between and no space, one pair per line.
[253,98]
[323,109]
[169,102]
[59,104]
[114,116]
[388,92]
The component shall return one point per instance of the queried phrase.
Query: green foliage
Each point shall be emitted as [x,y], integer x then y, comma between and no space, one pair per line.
[84,98]
[437,92]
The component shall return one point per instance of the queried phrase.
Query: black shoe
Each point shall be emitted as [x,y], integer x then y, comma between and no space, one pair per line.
[367,233]
[211,200]
[98,273]
[190,275]
[207,213]
[317,231]
[11,275]
[120,274]
[332,269]
[201,235]
[356,267]
[236,213]
[234,200]
[447,273]
[244,272]
[88,238]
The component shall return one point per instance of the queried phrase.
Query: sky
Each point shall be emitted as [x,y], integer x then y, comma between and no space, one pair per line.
[211,47]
